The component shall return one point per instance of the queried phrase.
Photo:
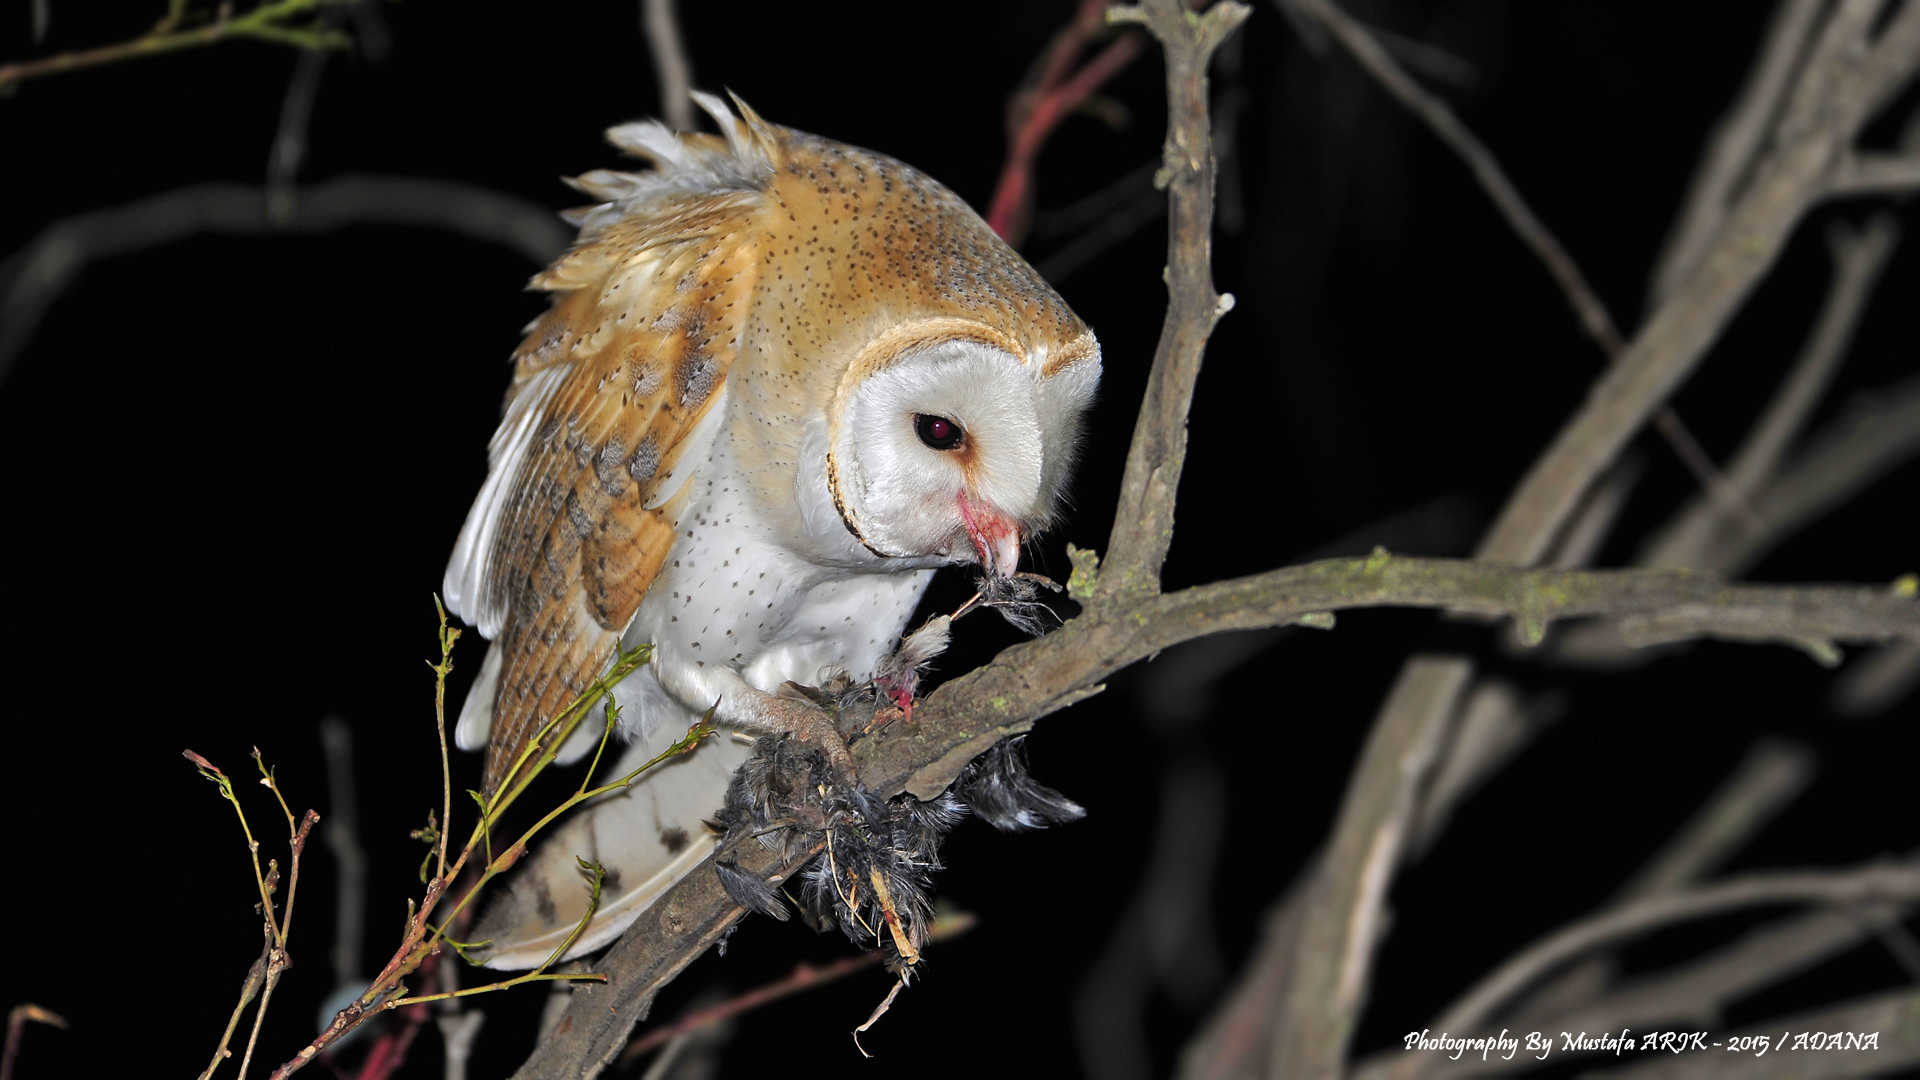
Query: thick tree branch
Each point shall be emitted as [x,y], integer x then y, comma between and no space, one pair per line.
[1143,525]
[1809,121]
[1033,679]
[1735,145]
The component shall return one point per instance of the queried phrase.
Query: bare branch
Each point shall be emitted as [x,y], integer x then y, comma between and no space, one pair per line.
[1889,1016]
[1892,882]
[672,68]
[1858,259]
[342,837]
[1595,319]
[275,21]
[1772,775]
[1143,525]
[1234,1043]
[1735,146]
[1877,174]
[1375,58]
[1345,898]
[1047,96]
[1877,682]
[1696,993]
[966,716]
[36,276]
[17,1019]
[1872,437]
[1837,93]
[1494,724]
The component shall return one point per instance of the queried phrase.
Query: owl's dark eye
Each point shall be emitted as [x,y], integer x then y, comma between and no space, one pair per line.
[938,431]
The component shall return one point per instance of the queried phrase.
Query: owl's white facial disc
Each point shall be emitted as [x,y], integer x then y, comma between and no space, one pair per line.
[953,451]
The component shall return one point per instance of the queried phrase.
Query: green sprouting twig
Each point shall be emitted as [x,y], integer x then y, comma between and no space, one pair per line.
[275,22]
[448,635]
[268,781]
[613,721]
[249,989]
[686,745]
[212,772]
[538,974]
[265,973]
[545,744]
[422,938]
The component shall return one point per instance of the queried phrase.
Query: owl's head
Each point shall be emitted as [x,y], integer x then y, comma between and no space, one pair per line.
[913,389]
[948,441]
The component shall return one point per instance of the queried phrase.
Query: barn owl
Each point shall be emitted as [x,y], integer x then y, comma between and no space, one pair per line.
[781,381]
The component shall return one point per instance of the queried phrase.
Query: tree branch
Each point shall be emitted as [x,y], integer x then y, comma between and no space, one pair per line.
[36,276]
[1143,525]
[672,69]
[1830,101]
[964,717]
[1734,147]
[1366,48]
[1697,993]
[1858,259]
[1894,882]
[271,22]
[1888,1015]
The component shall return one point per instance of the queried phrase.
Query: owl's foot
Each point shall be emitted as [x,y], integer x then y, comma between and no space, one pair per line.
[801,718]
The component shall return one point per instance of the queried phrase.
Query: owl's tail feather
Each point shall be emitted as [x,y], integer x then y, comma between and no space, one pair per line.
[646,837]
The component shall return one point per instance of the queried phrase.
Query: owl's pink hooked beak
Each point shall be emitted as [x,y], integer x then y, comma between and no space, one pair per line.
[994,536]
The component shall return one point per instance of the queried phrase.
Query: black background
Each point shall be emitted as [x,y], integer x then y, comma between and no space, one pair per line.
[231,471]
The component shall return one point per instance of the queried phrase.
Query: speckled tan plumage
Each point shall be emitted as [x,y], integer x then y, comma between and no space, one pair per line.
[778,285]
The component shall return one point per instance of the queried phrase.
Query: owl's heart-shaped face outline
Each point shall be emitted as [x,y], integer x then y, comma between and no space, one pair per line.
[975,488]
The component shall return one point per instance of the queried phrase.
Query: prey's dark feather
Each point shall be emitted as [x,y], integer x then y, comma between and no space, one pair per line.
[749,890]
[997,786]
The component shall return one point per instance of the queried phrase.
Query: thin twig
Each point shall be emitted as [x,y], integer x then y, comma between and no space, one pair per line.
[422,939]
[1767,779]
[1592,312]
[1858,259]
[343,840]
[804,977]
[1896,882]
[1697,992]
[1888,1016]
[270,22]
[1796,174]
[289,150]
[672,69]
[17,1019]
[1771,776]
[35,277]
[1049,93]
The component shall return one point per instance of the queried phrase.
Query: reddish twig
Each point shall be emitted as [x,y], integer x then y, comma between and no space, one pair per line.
[17,1028]
[804,977]
[1043,101]
[389,1051]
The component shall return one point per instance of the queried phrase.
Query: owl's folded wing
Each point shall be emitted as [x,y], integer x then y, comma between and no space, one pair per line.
[616,398]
